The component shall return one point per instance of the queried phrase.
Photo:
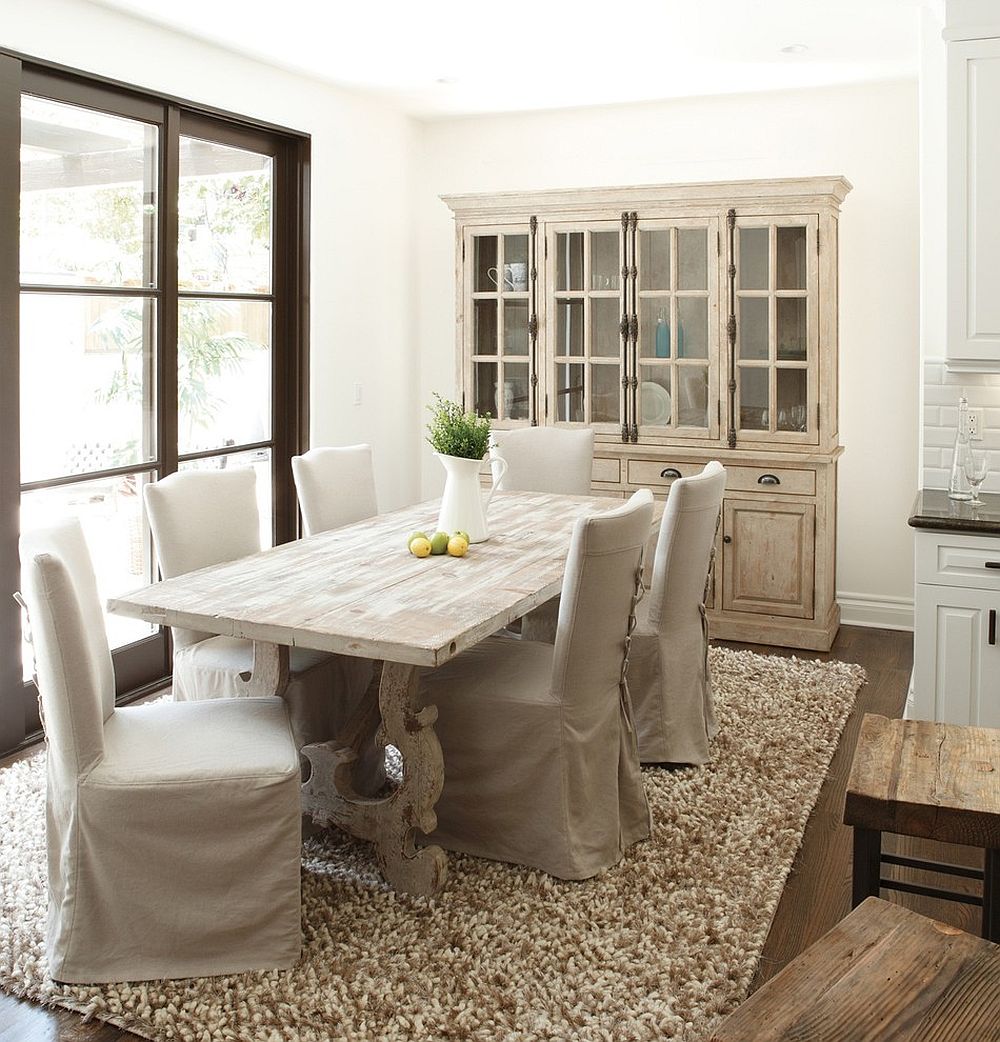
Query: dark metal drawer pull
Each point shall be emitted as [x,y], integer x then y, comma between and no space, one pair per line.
[673,472]
[993,626]
[769,479]
[993,564]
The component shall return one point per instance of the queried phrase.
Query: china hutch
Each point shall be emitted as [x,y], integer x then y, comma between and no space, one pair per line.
[683,323]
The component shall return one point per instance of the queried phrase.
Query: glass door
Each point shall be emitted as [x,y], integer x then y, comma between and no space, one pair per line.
[585,312]
[500,324]
[777,336]
[677,306]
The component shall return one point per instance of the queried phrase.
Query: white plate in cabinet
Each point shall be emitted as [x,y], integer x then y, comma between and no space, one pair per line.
[951,559]
[772,480]
[956,657]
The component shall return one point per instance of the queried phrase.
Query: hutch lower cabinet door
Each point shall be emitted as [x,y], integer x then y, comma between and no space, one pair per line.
[682,323]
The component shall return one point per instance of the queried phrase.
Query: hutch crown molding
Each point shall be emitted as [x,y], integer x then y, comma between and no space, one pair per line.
[683,323]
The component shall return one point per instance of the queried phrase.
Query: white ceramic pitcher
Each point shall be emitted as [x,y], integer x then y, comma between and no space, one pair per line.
[463,505]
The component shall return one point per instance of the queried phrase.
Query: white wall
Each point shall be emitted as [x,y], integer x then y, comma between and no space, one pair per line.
[868,133]
[361,294]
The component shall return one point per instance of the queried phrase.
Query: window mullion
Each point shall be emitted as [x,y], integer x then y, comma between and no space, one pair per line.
[166,347]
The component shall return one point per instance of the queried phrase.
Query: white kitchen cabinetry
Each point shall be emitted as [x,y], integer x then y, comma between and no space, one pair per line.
[974,203]
[956,669]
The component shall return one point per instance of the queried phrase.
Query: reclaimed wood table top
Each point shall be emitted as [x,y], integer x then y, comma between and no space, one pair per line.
[920,778]
[357,590]
[883,974]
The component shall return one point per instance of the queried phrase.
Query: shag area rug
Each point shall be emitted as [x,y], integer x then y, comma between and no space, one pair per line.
[659,947]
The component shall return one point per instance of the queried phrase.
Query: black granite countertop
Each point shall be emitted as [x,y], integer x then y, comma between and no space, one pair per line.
[933,509]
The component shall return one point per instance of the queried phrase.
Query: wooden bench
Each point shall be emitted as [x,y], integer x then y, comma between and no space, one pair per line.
[934,781]
[884,973]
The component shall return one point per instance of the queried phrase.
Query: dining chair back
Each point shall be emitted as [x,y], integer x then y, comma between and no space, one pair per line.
[335,486]
[545,459]
[541,766]
[199,518]
[671,686]
[154,813]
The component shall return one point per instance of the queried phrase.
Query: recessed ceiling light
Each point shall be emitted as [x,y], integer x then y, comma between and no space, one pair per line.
[446,80]
[795,48]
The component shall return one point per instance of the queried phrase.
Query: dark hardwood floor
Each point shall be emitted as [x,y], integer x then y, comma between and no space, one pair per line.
[816,896]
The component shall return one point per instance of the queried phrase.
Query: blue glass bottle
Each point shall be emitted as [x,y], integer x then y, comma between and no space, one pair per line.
[662,336]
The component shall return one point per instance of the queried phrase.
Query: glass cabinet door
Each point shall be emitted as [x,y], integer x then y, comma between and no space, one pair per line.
[777,338]
[584,311]
[498,324]
[677,305]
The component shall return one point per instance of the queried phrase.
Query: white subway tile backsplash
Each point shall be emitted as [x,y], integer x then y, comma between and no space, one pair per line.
[933,372]
[948,417]
[940,396]
[932,415]
[939,437]
[935,478]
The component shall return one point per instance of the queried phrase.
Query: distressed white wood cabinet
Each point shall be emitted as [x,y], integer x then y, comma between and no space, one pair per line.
[956,667]
[974,196]
[683,323]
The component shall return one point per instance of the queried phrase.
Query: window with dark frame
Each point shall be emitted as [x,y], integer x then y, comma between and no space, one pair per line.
[153,318]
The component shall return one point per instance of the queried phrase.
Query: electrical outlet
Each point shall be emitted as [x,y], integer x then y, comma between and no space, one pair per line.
[975,425]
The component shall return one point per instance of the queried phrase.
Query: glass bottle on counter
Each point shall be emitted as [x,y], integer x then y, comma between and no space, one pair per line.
[958,484]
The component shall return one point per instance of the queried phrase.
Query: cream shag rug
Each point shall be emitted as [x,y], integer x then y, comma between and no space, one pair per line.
[659,947]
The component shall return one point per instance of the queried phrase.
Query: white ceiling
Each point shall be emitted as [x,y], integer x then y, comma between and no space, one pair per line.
[451,57]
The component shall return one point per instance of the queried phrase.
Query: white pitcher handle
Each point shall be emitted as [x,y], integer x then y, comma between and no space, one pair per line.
[497,478]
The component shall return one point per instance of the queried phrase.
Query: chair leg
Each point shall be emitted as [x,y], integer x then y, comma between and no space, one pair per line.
[867,864]
[991,896]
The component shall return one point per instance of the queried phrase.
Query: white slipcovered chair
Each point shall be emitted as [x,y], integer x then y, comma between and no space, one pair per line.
[335,487]
[540,762]
[173,830]
[668,672]
[205,517]
[543,459]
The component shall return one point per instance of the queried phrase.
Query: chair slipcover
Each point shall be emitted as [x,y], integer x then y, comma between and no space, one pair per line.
[335,486]
[173,830]
[668,667]
[540,760]
[207,517]
[544,459]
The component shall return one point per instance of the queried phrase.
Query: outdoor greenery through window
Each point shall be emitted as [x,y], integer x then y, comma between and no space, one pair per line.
[161,272]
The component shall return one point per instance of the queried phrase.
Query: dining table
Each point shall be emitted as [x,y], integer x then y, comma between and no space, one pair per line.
[358,591]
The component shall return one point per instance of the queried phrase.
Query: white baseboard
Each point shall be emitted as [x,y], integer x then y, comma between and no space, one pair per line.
[885,613]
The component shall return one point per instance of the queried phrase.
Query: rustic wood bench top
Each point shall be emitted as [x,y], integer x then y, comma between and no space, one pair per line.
[883,973]
[934,780]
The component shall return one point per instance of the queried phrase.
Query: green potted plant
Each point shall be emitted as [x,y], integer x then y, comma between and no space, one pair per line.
[460,441]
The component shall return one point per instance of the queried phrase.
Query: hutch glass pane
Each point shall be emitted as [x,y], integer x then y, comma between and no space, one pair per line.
[569,327]
[569,392]
[654,395]
[654,327]
[753,259]
[692,327]
[485,332]
[605,335]
[692,396]
[791,321]
[752,324]
[605,389]
[515,327]
[791,260]
[753,390]
[654,259]
[791,393]
[569,260]
[605,261]
[486,388]
[692,258]
[484,264]
[515,390]
[515,249]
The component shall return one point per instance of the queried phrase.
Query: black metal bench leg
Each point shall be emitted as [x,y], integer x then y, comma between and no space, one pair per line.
[991,896]
[867,864]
